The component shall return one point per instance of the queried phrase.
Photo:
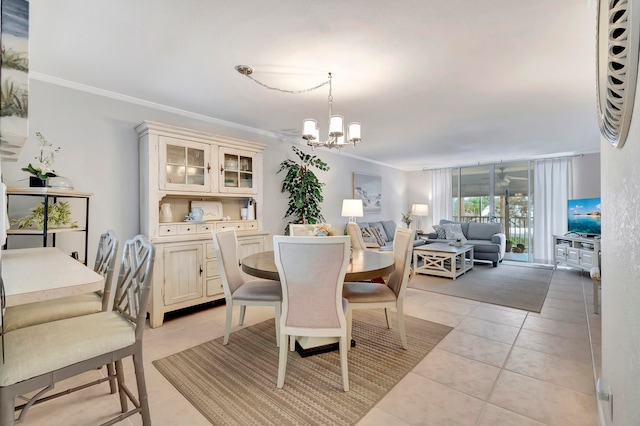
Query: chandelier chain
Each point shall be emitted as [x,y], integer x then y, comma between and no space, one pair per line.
[284,90]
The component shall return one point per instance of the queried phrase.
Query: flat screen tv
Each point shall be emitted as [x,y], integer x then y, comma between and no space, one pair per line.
[584,216]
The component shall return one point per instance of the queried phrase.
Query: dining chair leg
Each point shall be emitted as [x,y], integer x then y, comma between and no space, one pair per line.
[343,347]
[111,373]
[227,325]
[387,315]
[277,308]
[292,343]
[349,325]
[403,336]
[124,405]
[7,407]
[142,389]
[282,363]
[243,309]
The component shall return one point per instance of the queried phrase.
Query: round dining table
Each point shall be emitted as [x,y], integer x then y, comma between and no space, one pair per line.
[363,265]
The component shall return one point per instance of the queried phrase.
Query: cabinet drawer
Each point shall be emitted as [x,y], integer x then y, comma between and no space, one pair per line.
[238,226]
[250,225]
[561,252]
[210,251]
[212,269]
[187,228]
[214,287]
[168,230]
[202,228]
[586,258]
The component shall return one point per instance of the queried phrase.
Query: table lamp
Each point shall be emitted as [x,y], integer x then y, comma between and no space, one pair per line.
[352,209]
[419,210]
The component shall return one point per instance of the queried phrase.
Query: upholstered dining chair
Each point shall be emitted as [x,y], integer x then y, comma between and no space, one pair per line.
[239,291]
[312,271]
[37,357]
[72,306]
[363,295]
[355,233]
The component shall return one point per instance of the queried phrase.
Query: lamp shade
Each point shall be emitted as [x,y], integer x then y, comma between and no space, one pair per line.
[354,132]
[335,126]
[352,208]
[309,127]
[420,210]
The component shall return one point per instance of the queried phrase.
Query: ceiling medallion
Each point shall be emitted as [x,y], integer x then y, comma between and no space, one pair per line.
[617,67]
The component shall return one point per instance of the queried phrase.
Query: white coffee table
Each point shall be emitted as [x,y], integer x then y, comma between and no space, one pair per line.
[443,260]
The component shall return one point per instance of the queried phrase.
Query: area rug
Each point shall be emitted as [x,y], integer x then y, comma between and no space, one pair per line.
[520,287]
[236,384]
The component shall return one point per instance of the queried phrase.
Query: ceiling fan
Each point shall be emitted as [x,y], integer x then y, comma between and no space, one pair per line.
[503,179]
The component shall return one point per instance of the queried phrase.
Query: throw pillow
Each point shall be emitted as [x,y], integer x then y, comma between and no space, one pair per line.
[454,232]
[378,227]
[367,237]
[440,231]
[376,234]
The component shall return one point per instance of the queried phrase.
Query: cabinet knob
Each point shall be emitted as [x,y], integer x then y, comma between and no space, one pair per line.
[200,269]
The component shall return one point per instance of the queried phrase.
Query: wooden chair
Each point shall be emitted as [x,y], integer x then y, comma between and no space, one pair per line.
[73,306]
[238,291]
[362,295]
[37,357]
[312,271]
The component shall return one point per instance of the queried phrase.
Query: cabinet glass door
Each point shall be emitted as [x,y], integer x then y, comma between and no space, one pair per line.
[237,171]
[185,165]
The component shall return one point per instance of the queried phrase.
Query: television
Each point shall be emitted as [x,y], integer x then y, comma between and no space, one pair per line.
[584,216]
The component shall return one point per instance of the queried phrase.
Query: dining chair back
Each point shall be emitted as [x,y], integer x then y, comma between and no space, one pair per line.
[355,233]
[72,306]
[363,295]
[237,290]
[312,271]
[39,356]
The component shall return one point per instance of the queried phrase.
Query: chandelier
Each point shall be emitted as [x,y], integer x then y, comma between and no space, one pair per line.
[336,137]
[310,133]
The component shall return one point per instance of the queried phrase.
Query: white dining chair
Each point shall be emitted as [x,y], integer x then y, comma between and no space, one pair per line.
[312,271]
[364,295]
[237,290]
[39,356]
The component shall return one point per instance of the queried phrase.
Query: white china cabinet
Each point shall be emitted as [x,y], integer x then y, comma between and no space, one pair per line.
[181,167]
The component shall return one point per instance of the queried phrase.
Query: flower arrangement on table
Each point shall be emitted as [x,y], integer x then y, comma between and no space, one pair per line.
[407,218]
[322,230]
[42,168]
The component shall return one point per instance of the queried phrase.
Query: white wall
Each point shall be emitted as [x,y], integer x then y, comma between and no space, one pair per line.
[621,274]
[100,155]
[586,176]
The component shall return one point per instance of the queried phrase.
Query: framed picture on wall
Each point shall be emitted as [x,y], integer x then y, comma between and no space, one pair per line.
[368,188]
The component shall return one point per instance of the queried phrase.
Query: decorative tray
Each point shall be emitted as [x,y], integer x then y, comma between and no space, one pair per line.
[212,209]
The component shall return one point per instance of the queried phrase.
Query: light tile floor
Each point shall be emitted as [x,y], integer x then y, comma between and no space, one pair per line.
[499,366]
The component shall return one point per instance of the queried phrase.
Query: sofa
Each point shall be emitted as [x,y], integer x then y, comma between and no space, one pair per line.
[489,243]
[382,233]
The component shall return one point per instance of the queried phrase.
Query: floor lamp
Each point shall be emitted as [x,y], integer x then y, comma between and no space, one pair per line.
[419,210]
[352,209]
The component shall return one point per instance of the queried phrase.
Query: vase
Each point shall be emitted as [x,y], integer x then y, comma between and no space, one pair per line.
[166,215]
[36,182]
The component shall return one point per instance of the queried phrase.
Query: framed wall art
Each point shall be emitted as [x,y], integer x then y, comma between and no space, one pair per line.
[368,188]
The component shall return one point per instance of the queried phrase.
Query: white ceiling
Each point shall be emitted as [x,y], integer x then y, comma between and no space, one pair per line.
[434,83]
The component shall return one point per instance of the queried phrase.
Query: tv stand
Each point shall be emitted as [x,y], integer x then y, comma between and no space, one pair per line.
[577,251]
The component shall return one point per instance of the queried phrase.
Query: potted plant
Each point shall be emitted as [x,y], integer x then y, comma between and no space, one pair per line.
[58,215]
[407,218]
[458,242]
[509,244]
[42,168]
[304,188]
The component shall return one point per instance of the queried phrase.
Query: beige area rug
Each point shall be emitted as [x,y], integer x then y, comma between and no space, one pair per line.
[236,384]
[520,287]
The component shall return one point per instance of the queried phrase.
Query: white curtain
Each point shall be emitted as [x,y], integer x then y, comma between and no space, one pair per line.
[552,187]
[441,192]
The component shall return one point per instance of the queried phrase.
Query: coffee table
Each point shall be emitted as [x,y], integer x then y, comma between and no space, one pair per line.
[443,260]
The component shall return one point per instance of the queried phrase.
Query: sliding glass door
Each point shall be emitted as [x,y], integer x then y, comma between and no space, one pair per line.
[498,193]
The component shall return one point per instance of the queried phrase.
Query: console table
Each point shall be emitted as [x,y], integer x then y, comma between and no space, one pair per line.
[576,251]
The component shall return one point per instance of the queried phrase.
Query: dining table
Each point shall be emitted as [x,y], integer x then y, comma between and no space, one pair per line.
[43,273]
[363,265]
